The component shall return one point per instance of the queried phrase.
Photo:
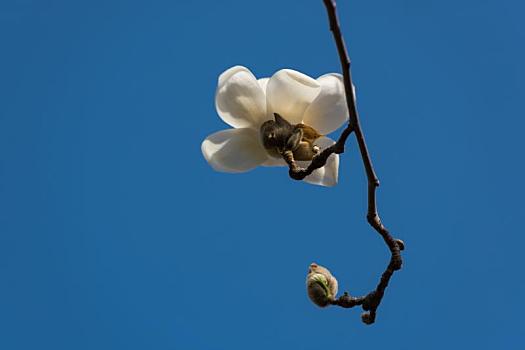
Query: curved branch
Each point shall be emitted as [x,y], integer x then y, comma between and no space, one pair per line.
[371,301]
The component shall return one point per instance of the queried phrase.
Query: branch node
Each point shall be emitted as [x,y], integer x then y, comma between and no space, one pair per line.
[367,318]
[372,300]
[397,263]
[375,221]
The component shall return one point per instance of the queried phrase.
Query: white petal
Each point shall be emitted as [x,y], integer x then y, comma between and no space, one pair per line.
[289,93]
[234,150]
[239,99]
[329,110]
[263,83]
[327,175]
[272,161]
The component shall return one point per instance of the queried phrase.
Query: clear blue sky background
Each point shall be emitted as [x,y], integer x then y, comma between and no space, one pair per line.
[116,234]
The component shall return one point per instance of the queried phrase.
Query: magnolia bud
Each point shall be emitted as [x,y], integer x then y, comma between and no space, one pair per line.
[320,285]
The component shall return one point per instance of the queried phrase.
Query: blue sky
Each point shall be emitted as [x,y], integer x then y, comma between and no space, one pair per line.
[116,234]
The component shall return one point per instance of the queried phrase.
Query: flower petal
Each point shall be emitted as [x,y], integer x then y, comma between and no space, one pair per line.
[239,99]
[263,83]
[272,161]
[289,93]
[234,150]
[327,175]
[329,110]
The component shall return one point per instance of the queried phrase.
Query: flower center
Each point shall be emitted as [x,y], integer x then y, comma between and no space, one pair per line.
[279,136]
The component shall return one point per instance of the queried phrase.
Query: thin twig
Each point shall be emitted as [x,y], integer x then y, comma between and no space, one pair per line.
[319,161]
[371,301]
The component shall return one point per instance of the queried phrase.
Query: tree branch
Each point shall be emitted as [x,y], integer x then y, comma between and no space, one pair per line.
[371,301]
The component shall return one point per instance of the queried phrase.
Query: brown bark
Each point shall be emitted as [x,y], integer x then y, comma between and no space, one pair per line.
[371,301]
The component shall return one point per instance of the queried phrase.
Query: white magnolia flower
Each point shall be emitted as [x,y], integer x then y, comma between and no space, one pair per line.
[246,103]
